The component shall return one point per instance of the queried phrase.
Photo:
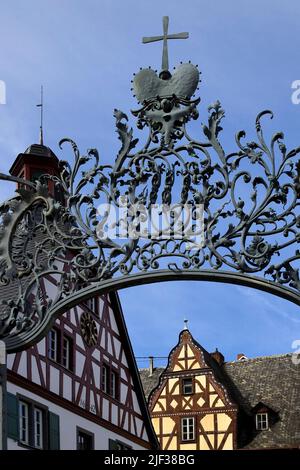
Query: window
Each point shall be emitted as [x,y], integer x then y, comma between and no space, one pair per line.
[67,352]
[30,435]
[92,305]
[114,384]
[188,429]
[262,421]
[31,423]
[36,174]
[85,440]
[38,428]
[53,344]
[110,381]
[105,378]
[23,422]
[60,348]
[117,445]
[187,386]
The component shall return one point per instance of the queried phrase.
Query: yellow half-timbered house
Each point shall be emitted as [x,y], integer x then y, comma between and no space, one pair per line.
[190,408]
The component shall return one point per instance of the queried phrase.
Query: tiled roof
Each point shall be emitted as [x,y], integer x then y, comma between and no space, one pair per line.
[272,380]
[275,381]
[150,382]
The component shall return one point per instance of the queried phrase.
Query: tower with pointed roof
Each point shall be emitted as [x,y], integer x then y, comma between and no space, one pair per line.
[37,160]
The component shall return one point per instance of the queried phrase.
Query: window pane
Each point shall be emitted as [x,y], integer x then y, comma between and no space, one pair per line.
[105,378]
[188,429]
[38,428]
[23,422]
[67,352]
[187,386]
[114,385]
[262,421]
[53,344]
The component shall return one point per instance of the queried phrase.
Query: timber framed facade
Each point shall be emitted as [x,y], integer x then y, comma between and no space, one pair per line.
[78,395]
[243,404]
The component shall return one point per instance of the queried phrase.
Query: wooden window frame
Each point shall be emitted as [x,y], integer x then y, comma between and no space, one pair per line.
[181,429]
[258,423]
[24,403]
[70,365]
[193,386]
[42,427]
[61,334]
[49,346]
[107,389]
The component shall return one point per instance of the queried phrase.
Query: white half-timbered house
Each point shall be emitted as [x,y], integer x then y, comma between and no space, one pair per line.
[79,387]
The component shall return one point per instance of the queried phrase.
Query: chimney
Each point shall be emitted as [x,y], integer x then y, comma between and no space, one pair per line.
[151,365]
[218,357]
[241,357]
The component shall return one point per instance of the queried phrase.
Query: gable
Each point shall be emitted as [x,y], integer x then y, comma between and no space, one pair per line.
[186,355]
[190,388]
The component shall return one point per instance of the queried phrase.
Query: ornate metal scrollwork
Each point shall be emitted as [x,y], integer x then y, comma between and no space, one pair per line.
[250,199]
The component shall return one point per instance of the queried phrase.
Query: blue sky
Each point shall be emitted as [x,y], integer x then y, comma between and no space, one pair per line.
[85,53]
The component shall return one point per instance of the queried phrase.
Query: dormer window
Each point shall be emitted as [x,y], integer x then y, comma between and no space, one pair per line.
[262,421]
[187,386]
[264,416]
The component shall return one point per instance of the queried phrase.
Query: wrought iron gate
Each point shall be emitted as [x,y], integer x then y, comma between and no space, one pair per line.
[247,201]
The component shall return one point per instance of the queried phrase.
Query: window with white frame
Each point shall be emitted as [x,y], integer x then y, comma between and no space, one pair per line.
[105,378]
[38,428]
[53,344]
[32,424]
[67,352]
[110,381]
[30,435]
[23,422]
[60,348]
[262,421]
[188,429]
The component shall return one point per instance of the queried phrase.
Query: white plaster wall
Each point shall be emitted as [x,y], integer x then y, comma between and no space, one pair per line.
[68,423]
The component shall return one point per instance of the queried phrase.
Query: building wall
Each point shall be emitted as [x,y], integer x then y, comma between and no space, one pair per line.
[68,424]
[207,404]
[82,387]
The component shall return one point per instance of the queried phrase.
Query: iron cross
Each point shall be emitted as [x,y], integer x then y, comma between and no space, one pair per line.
[164,38]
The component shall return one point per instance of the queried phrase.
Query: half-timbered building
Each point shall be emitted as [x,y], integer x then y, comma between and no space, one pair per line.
[190,408]
[201,402]
[79,387]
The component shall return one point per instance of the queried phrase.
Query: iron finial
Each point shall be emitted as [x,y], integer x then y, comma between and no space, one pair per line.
[41,105]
